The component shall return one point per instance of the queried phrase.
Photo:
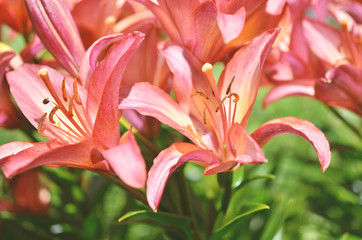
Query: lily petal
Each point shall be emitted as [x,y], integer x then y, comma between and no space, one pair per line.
[54,154]
[103,91]
[282,91]
[13,148]
[151,101]
[127,161]
[55,26]
[244,147]
[167,162]
[231,25]
[22,160]
[93,55]
[300,127]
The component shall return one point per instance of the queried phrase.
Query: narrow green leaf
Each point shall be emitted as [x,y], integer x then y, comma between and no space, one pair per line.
[249,209]
[160,218]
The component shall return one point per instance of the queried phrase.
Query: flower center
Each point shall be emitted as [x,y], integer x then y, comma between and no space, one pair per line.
[67,114]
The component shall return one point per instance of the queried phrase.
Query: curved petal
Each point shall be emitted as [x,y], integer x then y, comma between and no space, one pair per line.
[93,55]
[52,153]
[282,91]
[22,160]
[103,91]
[127,161]
[300,127]
[167,162]
[150,100]
[245,68]
[221,167]
[12,148]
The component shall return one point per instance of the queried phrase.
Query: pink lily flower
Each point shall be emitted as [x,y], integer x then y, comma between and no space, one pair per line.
[81,123]
[342,87]
[214,116]
[212,29]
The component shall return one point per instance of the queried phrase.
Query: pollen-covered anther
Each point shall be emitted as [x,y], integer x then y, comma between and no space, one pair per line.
[236,96]
[40,125]
[52,112]
[64,90]
[75,92]
[71,106]
[204,117]
[200,94]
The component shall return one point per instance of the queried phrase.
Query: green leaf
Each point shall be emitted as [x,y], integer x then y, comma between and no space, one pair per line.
[229,226]
[253,178]
[163,219]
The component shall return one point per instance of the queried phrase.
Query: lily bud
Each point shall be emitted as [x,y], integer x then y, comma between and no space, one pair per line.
[55,27]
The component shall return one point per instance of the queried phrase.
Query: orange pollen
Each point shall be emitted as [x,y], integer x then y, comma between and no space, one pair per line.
[40,125]
[75,92]
[52,112]
[64,91]
[200,94]
[204,118]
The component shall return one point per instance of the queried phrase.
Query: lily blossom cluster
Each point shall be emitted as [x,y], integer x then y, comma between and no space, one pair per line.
[131,54]
[316,58]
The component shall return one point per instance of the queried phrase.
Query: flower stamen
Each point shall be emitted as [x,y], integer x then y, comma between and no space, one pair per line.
[75,92]
[51,114]
[40,125]
[64,91]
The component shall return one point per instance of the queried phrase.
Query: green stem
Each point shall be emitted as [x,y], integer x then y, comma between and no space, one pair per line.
[139,135]
[348,124]
[225,181]
[135,193]
[189,210]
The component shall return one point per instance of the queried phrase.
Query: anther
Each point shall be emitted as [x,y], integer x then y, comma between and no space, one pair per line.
[46,101]
[220,104]
[236,96]
[52,112]
[71,106]
[64,90]
[204,118]
[75,92]
[200,94]
[229,87]
[41,123]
